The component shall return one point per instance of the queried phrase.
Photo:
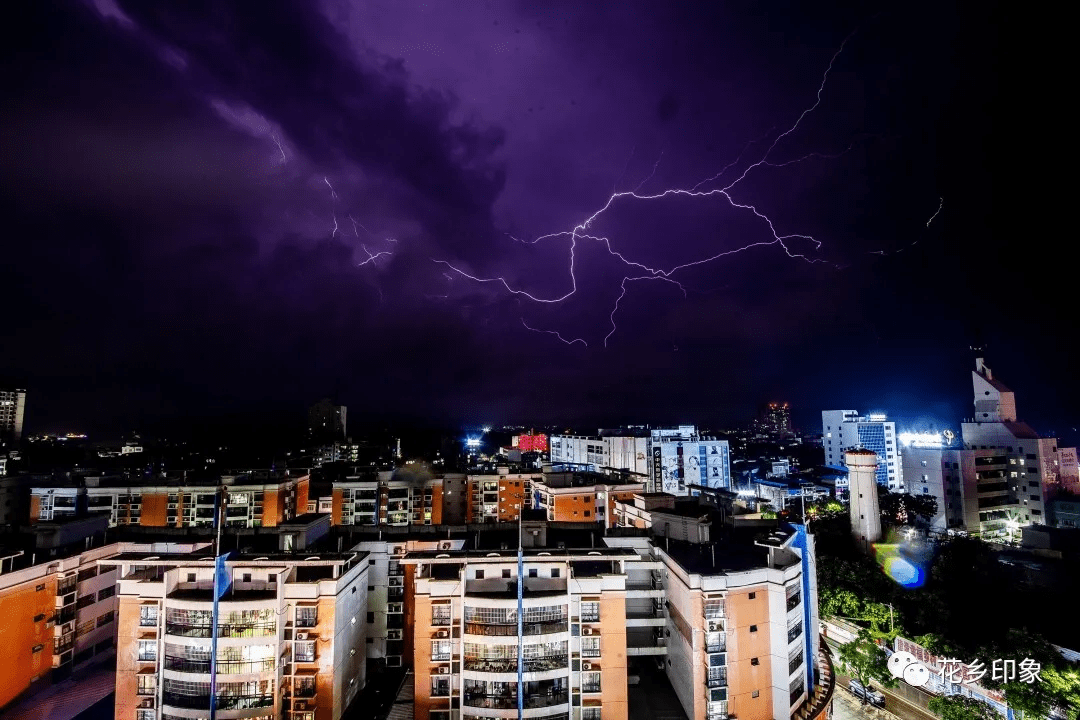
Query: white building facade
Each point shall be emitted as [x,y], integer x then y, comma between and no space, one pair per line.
[844,430]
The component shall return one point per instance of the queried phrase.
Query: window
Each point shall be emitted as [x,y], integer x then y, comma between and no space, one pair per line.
[754,661]
[304,651]
[247,577]
[86,601]
[753,595]
[590,612]
[440,614]
[440,649]
[37,648]
[479,574]
[106,593]
[532,572]
[590,646]
[148,615]
[756,693]
[147,650]
[371,617]
[191,577]
[554,572]
[87,573]
[105,619]
[147,684]
[506,573]
[39,588]
[39,618]
[143,714]
[753,628]
[307,616]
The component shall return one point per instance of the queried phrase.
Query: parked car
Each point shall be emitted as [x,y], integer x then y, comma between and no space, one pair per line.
[871,695]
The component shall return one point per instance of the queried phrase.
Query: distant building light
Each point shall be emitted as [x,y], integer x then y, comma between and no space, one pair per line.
[472,442]
[922,440]
[878,417]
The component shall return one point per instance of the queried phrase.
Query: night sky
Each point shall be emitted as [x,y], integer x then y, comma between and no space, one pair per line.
[221,207]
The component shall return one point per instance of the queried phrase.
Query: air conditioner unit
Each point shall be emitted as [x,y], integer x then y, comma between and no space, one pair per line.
[442,634]
[586,666]
[148,703]
[444,546]
[301,705]
[301,636]
[172,506]
[443,670]
[586,631]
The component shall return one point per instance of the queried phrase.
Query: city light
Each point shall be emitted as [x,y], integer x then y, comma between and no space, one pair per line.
[922,440]
[472,442]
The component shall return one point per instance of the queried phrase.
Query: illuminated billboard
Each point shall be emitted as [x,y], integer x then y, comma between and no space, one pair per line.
[533,443]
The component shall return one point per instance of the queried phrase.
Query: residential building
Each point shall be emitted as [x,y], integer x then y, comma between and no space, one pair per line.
[863,506]
[254,499]
[60,615]
[741,624]
[326,422]
[12,411]
[681,457]
[582,497]
[500,497]
[1065,512]
[774,421]
[844,430]
[290,635]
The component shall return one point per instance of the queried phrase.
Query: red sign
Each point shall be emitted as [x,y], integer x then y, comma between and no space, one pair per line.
[533,443]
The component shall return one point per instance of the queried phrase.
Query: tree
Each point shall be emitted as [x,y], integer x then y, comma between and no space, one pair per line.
[905,509]
[864,660]
[958,707]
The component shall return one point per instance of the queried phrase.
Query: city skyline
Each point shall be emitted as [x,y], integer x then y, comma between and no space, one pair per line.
[224,237]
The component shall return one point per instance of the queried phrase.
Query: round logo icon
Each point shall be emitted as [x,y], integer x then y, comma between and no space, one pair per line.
[899,662]
[916,674]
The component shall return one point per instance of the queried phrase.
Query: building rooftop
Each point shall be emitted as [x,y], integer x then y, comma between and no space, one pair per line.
[731,550]
[206,558]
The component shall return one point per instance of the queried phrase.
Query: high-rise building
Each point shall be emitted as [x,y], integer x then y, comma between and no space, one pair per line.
[12,410]
[774,421]
[290,635]
[59,615]
[556,628]
[326,422]
[863,506]
[844,430]
[1011,471]
[681,457]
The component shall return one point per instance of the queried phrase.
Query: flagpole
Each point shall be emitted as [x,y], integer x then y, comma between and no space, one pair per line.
[521,636]
[219,507]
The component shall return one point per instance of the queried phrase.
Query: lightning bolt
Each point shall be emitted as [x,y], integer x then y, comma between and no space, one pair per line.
[277,142]
[372,258]
[580,231]
[941,204]
[556,334]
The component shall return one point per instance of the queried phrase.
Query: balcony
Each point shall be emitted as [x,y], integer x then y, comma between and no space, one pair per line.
[225,631]
[224,702]
[509,702]
[537,628]
[590,687]
[717,677]
[794,632]
[793,601]
[509,665]
[224,667]
[590,617]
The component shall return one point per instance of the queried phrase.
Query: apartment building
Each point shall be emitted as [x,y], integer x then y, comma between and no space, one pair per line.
[254,499]
[731,615]
[500,497]
[463,608]
[582,497]
[397,499]
[741,630]
[844,430]
[290,635]
[60,615]
[12,412]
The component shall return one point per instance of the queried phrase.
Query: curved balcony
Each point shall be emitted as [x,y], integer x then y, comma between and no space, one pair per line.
[509,702]
[817,703]
[224,702]
[224,667]
[247,630]
[511,630]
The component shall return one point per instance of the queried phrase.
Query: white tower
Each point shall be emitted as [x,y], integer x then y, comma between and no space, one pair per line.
[862,491]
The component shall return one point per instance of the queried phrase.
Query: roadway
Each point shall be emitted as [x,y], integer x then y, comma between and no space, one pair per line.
[902,701]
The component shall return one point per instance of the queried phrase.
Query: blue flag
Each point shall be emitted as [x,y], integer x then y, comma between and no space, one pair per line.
[222,576]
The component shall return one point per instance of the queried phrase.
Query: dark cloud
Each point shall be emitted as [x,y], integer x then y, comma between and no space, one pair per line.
[195,189]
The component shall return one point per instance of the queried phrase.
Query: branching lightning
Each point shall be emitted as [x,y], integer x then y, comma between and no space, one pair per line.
[643,272]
